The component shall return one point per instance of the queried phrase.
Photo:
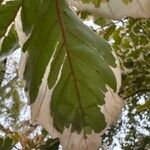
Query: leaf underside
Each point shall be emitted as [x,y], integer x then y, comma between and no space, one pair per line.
[79,70]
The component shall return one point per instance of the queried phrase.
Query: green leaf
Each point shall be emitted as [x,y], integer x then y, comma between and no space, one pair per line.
[2,70]
[144,106]
[95,2]
[8,13]
[6,143]
[116,36]
[80,67]
[100,21]
[10,43]
[29,12]
[109,31]
[127,1]
[84,14]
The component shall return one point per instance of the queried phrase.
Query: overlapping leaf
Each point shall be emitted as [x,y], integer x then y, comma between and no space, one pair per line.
[29,13]
[144,106]
[8,13]
[80,67]
[6,143]
[9,42]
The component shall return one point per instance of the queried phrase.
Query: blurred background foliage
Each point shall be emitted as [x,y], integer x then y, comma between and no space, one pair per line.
[130,39]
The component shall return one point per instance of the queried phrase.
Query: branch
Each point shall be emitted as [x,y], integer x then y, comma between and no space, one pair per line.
[116,9]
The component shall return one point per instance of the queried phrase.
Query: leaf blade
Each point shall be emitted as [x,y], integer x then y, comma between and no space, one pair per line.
[80,69]
[8,13]
[9,44]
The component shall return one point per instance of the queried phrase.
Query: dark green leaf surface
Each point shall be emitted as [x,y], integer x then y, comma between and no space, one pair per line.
[6,143]
[109,31]
[144,106]
[102,21]
[29,13]
[8,13]
[81,61]
[10,43]
[2,70]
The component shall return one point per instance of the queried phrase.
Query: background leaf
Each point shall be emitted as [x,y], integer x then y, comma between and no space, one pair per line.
[144,106]
[6,144]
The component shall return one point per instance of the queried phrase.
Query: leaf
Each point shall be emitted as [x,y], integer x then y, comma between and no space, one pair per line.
[127,1]
[2,70]
[101,21]
[8,13]
[10,43]
[117,37]
[67,58]
[144,106]
[6,143]
[84,15]
[29,12]
[95,2]
[109,31]
[85,72]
